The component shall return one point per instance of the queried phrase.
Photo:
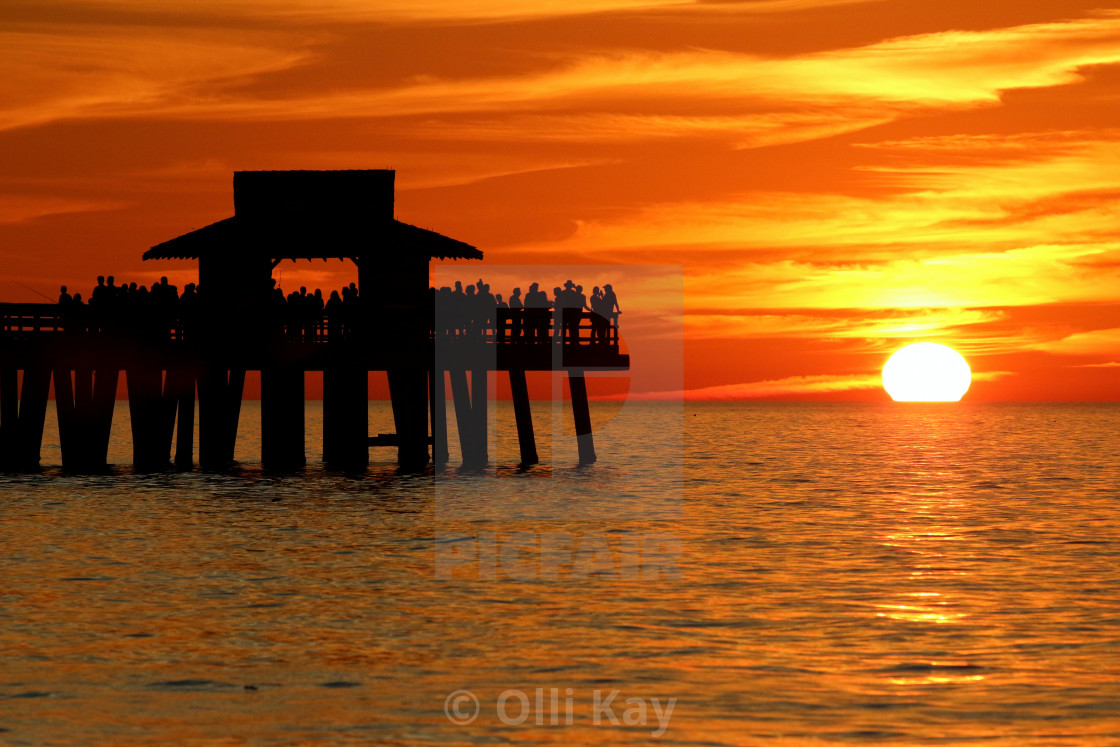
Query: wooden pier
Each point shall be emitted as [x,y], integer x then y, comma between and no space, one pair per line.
[171,363]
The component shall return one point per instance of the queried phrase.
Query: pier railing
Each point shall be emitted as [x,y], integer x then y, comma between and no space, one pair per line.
[507,327]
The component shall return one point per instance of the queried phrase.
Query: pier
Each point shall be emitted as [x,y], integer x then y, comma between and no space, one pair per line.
[172,364]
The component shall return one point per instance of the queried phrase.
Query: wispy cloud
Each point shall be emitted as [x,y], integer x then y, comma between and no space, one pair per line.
[970,233]
[146,74]
[839,324]
[400,11]
[95,72]
[1102,342]
[791,386]
[753,390]
[22,208]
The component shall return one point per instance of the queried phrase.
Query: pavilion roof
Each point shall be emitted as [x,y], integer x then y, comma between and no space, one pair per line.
[303,239]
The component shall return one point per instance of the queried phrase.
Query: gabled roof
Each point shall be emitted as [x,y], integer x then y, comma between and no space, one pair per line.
[304,240]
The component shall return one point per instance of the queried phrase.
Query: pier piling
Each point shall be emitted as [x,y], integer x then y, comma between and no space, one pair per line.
[581,414]
[437,392]
[282,418]
[219,409]
[408,390]
[345,417]
[523,415]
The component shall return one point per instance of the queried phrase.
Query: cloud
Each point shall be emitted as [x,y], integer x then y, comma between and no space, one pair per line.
[106,71]
[1068,190]
[1103,342]
[188,74]
[406,11]
[770,388]
[838,324]
[788,386]
[23,208]
[748,130]
[971,233]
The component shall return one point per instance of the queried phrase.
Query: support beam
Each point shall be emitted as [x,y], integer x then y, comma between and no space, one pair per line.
[437,390]
[32,416]
[524,417]
[408,392]
[179,388]
[83,394]
[480,413]
[345,417]
[234,392]
[104,385]
[71,433]
[151,438]
[79,420]
[470,447]
[9,413]
[582,416]
[219,408]
[282,418]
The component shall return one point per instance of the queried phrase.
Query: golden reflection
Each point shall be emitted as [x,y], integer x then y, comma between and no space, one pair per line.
[932,612]
[913,613]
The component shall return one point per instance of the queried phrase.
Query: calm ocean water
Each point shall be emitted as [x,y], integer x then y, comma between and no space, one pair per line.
[735,574]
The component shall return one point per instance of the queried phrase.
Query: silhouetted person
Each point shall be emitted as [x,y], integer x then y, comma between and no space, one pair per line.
[501,317]
[164,298]
[64,301]
[78,312]
[303,314]
[97,304]
[516,314]
[98,291]
[598,317]
[317,306]
[610,301]
[291,315]
[487,308]
[145,316]
[568,312]
[275,311]
[536,314]
[457,309]
[441,305]
[334,312]
[471,312]
[579,303]
[188,312]
[109,306]
[350,310]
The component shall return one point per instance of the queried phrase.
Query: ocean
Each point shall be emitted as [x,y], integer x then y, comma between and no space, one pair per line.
[725,574]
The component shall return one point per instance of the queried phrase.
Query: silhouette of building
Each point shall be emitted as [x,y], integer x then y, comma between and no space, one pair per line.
[345,215]
[232,322]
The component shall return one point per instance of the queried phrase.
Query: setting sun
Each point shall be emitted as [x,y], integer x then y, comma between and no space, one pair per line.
[926,372]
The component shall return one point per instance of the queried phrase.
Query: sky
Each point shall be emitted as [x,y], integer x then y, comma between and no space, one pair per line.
[831,179]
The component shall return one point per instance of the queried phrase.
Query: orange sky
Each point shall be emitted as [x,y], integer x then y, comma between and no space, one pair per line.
[835,177]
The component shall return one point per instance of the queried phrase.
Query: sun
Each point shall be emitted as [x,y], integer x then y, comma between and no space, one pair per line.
[926,372]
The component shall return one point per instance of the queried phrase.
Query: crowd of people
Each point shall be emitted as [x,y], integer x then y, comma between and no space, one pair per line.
[165,312]
[474,311]
[113,307]
[470,311]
